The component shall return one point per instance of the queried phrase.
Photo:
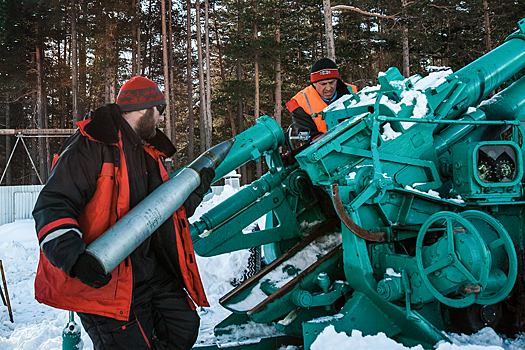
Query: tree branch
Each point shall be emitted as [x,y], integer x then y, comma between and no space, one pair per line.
[449,8]
[351,8]
[20,97]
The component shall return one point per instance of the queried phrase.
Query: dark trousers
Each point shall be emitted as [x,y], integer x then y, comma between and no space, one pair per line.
[161,318]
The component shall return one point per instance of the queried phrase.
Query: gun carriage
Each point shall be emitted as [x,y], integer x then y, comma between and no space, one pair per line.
[406,217]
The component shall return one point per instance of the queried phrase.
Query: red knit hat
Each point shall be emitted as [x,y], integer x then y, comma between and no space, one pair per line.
[139,93]
[324,69]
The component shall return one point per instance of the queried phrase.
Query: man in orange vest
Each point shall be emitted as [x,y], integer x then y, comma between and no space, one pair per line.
[326,88]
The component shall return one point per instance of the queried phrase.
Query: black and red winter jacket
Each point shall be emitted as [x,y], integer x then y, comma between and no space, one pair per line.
[88,190]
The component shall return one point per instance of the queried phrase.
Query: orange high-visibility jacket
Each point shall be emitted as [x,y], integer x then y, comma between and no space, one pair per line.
[311,102]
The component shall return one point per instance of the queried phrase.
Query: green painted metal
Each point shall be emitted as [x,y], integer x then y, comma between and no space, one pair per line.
[501,246]
[493,181]
[508,102]
[264,138]
[452,260]
[71,334]
[422,184]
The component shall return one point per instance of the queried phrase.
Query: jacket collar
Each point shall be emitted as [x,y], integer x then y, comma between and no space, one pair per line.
[103,125]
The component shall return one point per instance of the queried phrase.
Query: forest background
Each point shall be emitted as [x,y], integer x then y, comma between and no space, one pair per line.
[225,62]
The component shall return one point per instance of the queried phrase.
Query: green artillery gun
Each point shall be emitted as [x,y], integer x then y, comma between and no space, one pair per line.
[405,218]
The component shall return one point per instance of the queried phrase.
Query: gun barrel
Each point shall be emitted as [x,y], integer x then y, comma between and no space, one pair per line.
[508,104]
[488,72]
[266,135]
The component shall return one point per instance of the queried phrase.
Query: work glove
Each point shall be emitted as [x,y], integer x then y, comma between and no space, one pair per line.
[195,198]
[89,271]
[207,175]
[304,122]
[288,158]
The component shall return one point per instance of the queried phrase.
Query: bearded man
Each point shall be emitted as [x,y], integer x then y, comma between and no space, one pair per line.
[111,163]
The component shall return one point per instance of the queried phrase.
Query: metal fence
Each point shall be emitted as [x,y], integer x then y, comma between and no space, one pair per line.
[17,202]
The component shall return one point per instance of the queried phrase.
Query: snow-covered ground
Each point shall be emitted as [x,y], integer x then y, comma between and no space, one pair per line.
[37,326]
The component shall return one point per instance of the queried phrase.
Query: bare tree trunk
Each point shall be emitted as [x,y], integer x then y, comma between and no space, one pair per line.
[109,79]
[41,111]
[278,81]
[406,51]
[139,45]
[404,38]
[34,155]
[63,113]
[223,77]
[258,164]
[74,62]
[175,157]
[167,114]
[148,45]
[191,117]
[167,92]
[488,40]
[202,107]
[8,144]
[240,114]
[208,120]
[82,69]
[60,100]
[329,30]
[82,78]
[134,39]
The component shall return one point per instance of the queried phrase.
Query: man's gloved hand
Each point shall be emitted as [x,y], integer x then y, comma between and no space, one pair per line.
[288,158]
[89,271]
[195,198]
[207,175]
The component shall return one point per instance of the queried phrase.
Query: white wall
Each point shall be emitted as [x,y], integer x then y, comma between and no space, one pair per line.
[17,202]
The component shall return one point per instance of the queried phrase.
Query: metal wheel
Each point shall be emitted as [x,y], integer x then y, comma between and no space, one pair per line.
[449,258]
[502,251]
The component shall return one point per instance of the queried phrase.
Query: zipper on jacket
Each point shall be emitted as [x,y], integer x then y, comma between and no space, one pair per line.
[116,156]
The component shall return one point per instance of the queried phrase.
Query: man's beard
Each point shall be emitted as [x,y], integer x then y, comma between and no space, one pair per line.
[146,127]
